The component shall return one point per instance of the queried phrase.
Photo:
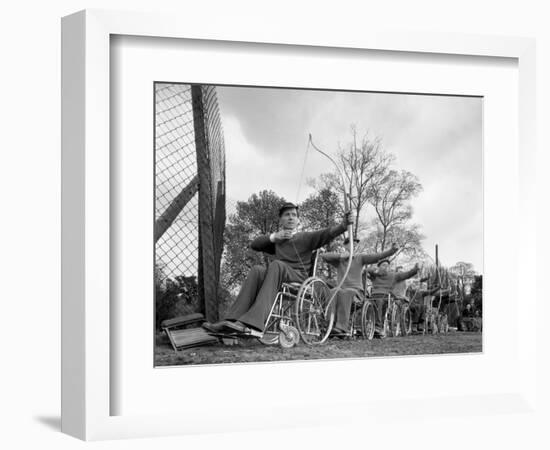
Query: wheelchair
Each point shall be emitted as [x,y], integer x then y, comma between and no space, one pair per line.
[300,311]
[435,320]
[362,319]
[397,316]
[401,318]
[362,316]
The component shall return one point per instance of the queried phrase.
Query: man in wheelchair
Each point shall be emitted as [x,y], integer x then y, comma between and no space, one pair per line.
[353,284]
[383,281]
[420,298]
[292,252]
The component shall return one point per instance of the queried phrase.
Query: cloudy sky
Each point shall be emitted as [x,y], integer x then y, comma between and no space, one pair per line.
[437,138]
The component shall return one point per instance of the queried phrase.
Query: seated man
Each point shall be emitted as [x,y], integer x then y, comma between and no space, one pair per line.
[353,284]
[418,304]
[477,323]
[292,252]
[467,319]
[383,280]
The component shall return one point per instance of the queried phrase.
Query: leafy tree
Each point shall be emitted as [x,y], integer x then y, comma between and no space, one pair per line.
[476,293]
[258,215]
[174,297]
[260,212]
[320,210]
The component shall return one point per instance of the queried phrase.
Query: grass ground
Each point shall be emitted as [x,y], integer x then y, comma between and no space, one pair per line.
[250,350]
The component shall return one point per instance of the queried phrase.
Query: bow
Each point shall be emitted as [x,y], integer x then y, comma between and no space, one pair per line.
[350,226]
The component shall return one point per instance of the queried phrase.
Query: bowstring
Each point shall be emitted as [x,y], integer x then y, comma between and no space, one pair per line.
[297,198]
[350,228]
[302,173]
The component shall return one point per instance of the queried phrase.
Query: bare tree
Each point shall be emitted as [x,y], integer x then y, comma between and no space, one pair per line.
[391,197]
[362,163]
[408,238]
[465,275]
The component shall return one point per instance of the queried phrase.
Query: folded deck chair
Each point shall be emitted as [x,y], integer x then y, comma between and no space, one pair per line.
[186,332]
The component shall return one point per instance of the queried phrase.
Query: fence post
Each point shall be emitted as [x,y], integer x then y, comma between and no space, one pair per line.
[208,289]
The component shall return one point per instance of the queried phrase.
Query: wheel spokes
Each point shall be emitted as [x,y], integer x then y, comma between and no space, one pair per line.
[311,317]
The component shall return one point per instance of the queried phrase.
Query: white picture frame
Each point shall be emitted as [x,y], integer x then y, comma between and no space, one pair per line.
[86,288]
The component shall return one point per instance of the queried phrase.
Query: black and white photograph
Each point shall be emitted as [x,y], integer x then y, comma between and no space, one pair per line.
[282,225]
[304,224]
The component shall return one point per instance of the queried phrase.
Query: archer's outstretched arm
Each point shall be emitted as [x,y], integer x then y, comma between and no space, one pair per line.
[375,257]
[406,275]
[332,258]
[322,237]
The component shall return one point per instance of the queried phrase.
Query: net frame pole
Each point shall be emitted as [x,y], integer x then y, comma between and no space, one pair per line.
[208,286]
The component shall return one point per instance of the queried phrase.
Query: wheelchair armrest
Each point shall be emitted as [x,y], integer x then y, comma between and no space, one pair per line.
[292,287]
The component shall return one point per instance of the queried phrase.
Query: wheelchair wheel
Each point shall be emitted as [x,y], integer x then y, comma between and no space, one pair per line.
[289,338]
[270,338]
[355,327]
[355,324]
[430,325]
[406,321]
[433,321]
[443,324]
[368,320]
[313,320]
[395,320]
[271,332]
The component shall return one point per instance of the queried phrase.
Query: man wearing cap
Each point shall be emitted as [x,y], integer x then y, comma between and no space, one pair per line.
[383,280]
[353,284]
[292,263]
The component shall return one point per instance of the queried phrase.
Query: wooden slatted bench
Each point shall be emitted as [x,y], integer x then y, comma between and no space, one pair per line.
[186,332]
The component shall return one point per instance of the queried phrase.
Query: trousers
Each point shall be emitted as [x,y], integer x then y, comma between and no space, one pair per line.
[258,292]
[418,312]
[344,300]
[381,302]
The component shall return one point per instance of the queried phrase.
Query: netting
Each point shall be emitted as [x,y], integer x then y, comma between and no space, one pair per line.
[189,188]
[176,168]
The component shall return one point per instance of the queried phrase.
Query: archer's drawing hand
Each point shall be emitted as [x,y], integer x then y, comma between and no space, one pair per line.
[348,219]
[394,247]
[281,235]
